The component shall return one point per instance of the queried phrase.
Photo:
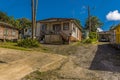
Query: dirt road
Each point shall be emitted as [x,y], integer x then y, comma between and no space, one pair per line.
[15,64]
[85,62]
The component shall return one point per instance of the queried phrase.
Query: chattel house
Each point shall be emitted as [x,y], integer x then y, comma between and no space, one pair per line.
[58,30]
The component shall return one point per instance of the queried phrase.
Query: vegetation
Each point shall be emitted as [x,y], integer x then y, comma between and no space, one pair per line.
[93,35]
[95,23]
[88,41]
[11,45]
[78,21]
[17,23]
[28,43]
[92,38]
[24,22]
[4,17]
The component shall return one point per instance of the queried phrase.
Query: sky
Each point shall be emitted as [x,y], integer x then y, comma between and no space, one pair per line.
[108,11]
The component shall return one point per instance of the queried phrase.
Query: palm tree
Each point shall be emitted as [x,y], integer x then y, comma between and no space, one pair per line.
[95,23]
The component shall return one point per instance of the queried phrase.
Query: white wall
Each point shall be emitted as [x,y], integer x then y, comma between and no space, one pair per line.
[28,32]
[75,32]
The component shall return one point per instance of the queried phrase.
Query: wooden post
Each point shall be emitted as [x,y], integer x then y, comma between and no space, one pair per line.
[33,19]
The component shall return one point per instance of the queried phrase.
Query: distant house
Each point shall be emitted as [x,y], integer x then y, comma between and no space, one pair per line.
[26,32]
[104,36]
[8,32]
[58,30]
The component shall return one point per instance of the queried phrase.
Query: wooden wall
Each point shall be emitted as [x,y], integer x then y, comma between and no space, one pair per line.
[8,33]
[56,39]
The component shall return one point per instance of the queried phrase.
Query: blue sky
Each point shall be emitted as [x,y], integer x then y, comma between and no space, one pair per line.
[65,9]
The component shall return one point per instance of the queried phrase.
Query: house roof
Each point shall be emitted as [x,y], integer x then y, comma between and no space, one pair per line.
[61,19]
[7,25]
[104,32]
[55,19]
[114,27]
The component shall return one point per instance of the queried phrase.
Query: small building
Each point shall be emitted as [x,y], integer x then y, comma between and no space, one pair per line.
[58,30]
[104,36]
[26,32]
[8,32]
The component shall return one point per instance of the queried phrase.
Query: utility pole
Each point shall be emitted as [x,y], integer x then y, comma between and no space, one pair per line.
[89,20]
[34,10]
[33,19]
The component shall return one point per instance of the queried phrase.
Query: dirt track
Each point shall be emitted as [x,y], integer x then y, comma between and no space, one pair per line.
[86,62]
[15,64]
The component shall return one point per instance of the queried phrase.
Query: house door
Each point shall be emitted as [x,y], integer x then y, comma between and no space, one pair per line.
[57,28]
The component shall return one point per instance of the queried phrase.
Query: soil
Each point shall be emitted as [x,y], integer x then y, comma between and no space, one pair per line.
[85,62]
[16,64]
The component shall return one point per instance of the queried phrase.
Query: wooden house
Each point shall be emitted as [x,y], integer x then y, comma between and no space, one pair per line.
[58,30]
[26,33]
[8,32]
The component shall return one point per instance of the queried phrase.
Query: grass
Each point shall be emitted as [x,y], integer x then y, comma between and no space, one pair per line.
[59,49]
[41,76]
[11,45]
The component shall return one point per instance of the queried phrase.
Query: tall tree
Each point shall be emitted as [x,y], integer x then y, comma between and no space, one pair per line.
[4,17]
[17,23]
[24,22]
[95,23]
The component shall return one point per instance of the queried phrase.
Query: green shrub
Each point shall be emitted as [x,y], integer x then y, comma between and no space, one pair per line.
[87,41]
[94,40]
[92,35]
[28,43]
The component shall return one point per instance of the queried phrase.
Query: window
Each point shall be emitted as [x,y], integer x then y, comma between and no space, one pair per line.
[66,26]
[44,27]
[74,30]
[13,32]
[26,30]
[6,32]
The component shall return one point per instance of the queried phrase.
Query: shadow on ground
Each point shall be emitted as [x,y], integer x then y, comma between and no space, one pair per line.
[106,59]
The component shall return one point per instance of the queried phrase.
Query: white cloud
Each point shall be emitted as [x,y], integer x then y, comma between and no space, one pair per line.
[113,16]
[99,30]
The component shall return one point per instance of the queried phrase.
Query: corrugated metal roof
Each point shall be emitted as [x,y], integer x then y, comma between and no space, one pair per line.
[56,19]
[7,25]
[60,19]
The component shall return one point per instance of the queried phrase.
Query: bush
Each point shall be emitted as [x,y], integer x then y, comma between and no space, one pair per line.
[92,38]
[92,35]
[87,41]
[28,43]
